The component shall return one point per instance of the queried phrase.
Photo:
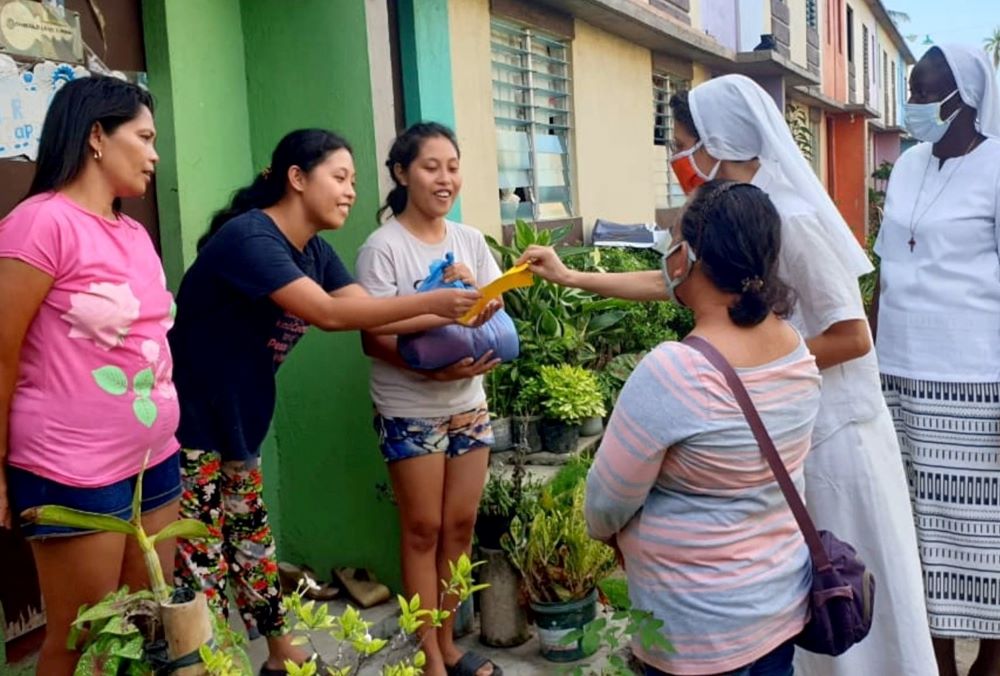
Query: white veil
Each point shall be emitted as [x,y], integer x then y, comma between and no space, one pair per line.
[738,121]
[977,84]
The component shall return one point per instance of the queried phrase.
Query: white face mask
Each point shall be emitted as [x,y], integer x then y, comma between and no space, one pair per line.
[923,120]
[671,282]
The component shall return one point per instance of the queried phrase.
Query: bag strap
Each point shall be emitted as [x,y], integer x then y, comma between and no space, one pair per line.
[819,556]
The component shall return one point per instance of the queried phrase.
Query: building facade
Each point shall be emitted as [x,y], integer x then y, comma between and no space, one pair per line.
[560,107]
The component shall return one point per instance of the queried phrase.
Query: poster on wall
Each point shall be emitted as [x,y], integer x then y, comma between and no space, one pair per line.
[24,99]
[30,29]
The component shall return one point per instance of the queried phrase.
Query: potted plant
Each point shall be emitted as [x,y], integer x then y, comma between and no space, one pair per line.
[135,630]
[561,566]
[503,621]
[500,392]
[527,416]
[569,395]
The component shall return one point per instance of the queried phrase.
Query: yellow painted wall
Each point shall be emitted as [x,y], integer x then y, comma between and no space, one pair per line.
[613,130]
[797,25]
[699,74]
[473,92]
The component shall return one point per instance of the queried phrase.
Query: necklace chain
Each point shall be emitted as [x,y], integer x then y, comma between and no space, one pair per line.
[914,222]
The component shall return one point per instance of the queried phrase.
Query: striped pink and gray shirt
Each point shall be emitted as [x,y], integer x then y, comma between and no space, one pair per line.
[710,545]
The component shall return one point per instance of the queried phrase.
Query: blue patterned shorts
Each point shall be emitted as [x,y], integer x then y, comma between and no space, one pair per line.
[403,438]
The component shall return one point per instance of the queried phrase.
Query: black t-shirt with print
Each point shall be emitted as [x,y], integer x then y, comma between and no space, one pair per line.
[230,338]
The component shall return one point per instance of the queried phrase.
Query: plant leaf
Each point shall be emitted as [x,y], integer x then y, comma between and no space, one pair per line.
[185,529]
[55,515]
[111,379]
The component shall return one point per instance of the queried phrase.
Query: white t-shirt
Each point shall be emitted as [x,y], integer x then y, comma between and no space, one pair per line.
[826,293]
[393,262]
[939,309]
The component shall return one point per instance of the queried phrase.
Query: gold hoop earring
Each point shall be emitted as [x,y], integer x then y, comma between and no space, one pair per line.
[97,155]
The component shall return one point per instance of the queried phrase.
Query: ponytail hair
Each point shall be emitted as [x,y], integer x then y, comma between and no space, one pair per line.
[405,149]
[303,148]
[736,233]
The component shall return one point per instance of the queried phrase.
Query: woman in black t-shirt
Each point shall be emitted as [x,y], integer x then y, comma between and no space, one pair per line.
[262,276]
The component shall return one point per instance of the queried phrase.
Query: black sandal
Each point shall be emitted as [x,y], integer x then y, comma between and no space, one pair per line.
[470,663]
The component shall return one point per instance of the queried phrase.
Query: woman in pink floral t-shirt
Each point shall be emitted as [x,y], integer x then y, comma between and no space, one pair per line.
[85,369]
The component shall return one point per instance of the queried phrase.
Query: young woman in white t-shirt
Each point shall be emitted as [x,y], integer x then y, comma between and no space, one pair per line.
[434,426]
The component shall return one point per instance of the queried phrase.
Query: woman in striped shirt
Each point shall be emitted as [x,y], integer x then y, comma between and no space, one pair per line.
[679,484]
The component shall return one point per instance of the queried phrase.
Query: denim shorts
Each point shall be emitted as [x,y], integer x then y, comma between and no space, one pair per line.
[161,484]
[454,435]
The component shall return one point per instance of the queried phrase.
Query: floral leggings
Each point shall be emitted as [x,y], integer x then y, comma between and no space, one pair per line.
[226,497]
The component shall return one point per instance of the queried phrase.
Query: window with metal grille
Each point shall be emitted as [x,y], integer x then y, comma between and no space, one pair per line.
[812,16]
[866,65]
[894,86]
[886,85]
[533,119]
[668,192]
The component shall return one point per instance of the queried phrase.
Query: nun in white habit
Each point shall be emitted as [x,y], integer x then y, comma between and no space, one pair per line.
[938,341]
[855,482]
[730,128]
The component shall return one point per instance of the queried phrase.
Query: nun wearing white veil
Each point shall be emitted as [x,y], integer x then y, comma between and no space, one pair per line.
[938,341]
[730,128]
[855,482]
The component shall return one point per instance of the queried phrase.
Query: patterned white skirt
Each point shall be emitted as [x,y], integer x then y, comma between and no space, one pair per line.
[949,435]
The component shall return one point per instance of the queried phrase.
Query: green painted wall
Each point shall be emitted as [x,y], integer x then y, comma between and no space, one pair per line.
[309,67]
[194,54]
[425,55]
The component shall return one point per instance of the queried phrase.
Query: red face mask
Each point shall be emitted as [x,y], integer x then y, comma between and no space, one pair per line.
[689,176]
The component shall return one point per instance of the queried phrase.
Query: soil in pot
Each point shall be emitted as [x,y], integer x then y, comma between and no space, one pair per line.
[559,437]
[525,431]
[556,620]
[490,528]
[502,433]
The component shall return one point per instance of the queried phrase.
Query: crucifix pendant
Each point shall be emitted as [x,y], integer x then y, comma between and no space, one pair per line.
[912,244]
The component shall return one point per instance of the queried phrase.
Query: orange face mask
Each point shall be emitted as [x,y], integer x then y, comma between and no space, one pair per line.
[689,176]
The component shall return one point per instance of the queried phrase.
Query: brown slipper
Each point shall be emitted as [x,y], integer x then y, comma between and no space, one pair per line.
[362,587]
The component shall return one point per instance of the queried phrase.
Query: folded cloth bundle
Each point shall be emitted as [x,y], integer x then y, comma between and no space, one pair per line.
[445,345]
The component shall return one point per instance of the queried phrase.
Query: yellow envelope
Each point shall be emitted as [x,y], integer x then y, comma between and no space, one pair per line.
[515,278]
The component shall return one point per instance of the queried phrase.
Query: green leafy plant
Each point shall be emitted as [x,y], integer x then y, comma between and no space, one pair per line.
[614,634]
[613,376]
[112,634]
[570,393]
[642,326]
[501,389]
[876,208]
[563,485]
[356,647]
[555,323]
[614,590]
[554,554]
[797,118]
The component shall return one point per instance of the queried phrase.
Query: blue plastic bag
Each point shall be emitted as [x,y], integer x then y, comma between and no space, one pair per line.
[436,348]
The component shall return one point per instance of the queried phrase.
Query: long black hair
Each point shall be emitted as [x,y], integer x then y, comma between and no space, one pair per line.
[302,148]
[736,233]
[75,109]
[404,150]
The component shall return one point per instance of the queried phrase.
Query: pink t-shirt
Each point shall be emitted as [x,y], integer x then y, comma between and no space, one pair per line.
[94,390]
